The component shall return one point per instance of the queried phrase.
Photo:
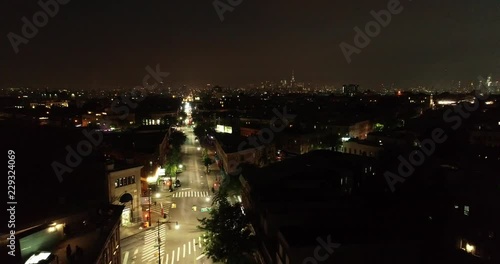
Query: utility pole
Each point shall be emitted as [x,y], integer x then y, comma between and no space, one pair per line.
[149,211]
[159,242]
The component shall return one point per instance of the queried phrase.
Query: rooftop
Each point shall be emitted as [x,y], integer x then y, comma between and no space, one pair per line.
[318,165]
[230,143]
[89,229]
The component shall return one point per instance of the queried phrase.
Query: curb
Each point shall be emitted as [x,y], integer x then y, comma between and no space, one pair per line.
[141,230]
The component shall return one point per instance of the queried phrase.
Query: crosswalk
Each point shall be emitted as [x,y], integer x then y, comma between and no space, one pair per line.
[187,194]
[192,249]
[156,209]
[150,248]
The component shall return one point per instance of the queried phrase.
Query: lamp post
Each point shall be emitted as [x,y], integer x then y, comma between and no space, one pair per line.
[149,211]
[159,242]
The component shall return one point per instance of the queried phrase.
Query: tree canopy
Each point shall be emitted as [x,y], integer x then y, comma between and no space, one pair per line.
[202,129]
[177,139]
[227,235]
[173,160]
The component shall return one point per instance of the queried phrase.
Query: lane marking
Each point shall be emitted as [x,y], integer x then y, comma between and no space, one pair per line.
[194,244]
[200,257]
[125,259]
[189,245]
[173,256]
[184,251]
[178,253]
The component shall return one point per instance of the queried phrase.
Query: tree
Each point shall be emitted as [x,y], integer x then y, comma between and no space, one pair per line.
[172,163]
[202,129]
[182,115]
[332,141]
[177,139]
[230,186]
[227,235]
[207,161]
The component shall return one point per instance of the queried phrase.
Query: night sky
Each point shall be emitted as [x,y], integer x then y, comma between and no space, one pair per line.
[96,44]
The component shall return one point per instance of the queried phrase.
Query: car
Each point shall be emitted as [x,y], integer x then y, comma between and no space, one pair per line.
[177,183]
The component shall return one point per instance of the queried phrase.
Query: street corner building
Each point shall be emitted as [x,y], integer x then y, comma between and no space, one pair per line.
[96,231]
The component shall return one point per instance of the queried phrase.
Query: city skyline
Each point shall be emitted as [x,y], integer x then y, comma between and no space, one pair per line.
[86,46]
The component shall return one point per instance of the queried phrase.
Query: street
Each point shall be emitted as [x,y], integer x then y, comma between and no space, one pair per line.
[183,243]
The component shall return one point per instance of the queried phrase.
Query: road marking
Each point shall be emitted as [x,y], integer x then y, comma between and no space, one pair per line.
[125,259]
[199,241]
[173,256]
[178,252]
[149,251]
[189,244]
[166,261]
[136,251]
[200,257]
[184,251]
[194,244]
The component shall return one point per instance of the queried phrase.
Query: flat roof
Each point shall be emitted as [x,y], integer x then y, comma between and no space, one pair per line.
[230,142]
[315,165]
[90,237]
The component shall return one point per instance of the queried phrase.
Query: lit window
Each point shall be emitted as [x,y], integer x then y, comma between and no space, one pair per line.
[466,210]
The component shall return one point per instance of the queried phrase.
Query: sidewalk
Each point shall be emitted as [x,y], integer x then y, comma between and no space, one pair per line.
[215,175]
[133,229]
[138,227]
[128,231]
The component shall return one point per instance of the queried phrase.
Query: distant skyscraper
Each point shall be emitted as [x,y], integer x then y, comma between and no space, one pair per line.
[489,85]
[292,82]
[350,89]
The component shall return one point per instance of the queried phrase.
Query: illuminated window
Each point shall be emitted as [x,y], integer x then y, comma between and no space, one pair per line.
[125,181]
[466,210]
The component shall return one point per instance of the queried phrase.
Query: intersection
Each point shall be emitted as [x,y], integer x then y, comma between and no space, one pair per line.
[182,243]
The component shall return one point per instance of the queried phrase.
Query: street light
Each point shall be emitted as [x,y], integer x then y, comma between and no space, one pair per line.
[159,242]
[149,211]
[176,225]
[180,166]
[157,195]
